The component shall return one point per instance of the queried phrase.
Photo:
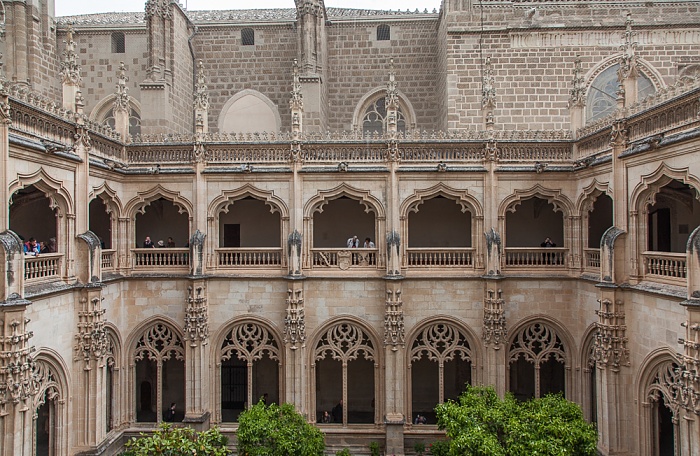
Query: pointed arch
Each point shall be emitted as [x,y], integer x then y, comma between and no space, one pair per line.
[228,197]
[644,66]
[590,194]
[644,193]
[556,198]
[246,105]
[59,197]
[143,199]
[105,105]
[589,392]
[405,106]
[461,197]
[365,197]
[51,383]
[110,197]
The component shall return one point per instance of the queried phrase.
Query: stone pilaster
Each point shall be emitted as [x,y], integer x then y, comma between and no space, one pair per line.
[196,345]
[395,356]
[295,348]
[311,35]
[90,352]
[82,147]
[495,336]
[70,76]
[17,385]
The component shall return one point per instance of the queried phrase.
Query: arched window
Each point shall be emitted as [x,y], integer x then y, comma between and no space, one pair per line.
[602,94]
[247,37]
[249,111]
[374,118]
[660,410]
[134,121]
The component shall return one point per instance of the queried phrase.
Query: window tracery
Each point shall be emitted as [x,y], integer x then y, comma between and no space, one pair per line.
[159,343]
[602,95]
[374,119]
[441,342]
[249,342]
[539,345]
[345,342]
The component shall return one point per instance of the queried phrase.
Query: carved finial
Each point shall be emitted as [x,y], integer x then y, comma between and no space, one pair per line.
[296,101]
[577,96]
[201,98]
[70,69]
[488,89]
[392,101]
[628,59]
[121,100]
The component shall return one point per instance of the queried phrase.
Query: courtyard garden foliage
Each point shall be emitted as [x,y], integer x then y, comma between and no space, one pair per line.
[178,441]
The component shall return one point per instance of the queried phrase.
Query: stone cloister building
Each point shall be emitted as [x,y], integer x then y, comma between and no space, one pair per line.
[255,143]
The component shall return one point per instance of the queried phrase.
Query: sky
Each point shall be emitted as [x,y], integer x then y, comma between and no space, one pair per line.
[73,7]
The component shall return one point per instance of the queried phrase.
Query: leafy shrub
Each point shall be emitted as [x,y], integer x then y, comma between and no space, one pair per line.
[277,430]
[374,448]
[180,441]
[343,452]
[440,448]
[482,424]
[419,448]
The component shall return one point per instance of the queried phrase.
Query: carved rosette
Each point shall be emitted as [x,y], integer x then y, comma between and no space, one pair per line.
[121,99]
[610,342]
[488,89]
[495,332]
[687,385]
[91,340]
[201,97]
[394,330]
[196,317]
[70,68]
[294,322]
[577,97]
[17,384]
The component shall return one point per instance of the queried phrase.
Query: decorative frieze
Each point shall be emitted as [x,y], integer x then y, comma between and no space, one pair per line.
[91,340]
[196,316]
[601,38]
[394,330]
[610,342]
[495,332]
[294,321]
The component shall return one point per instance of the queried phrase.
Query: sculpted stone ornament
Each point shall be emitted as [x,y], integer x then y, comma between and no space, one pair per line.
[201,97]
[121,96]
[577,95]
[197,252]
[17,380]
[488,89]
[196,317]
[70,68]
[495,332]
[610,342]
[91,340]
[294,252]
[493,253]
[394,330]
[294,322]
[393,246]
[628,59]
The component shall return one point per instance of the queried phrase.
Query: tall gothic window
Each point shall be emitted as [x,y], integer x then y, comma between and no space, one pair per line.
[49,403]
[249,363]
[537,362]
[660,411]
[602,95]
[160,373]
[441,366]
[345,375]
[374,118]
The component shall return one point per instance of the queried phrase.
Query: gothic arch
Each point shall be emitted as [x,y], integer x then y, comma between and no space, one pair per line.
[469,335]
[537,339]
[114,385]
[345,339]
[113,204]
[267,104]
[50,377]
[59,197]
[323,197]
[380,92]
[228,197]
[247,338]
[655,381]
[590,194]
[646,190]
[461,197]
[143,199]
[589,394]
[560,201]
[102,108]
[644,66]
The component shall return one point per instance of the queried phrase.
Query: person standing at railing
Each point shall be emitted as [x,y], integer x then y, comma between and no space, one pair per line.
[548,257]
[369,244]
[353,242]
[171,243]
[148,244]
[31,247]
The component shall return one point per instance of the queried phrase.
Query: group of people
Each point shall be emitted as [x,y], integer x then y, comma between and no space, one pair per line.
[34,248]
[354,243]
[335,415]
[149,244]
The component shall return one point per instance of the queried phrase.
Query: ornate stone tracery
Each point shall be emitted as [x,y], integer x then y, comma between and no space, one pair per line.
[159,343]
[441,342]
[536,343]
[344,342]
[249,342]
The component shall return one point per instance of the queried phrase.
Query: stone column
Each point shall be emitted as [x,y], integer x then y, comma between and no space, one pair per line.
[395,362]
[295,349]
[5,122]
[197,372]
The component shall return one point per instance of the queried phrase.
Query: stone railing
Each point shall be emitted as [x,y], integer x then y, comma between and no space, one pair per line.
[109,259]
[665,266]
[591,260]
[157,260]
[534,152]
[30,121]
[155,154]
[250,257]
[439,257]
[343,153]
[266,154]
[344,258]
[43,267]
[464,153]
[528,257]
[673,116]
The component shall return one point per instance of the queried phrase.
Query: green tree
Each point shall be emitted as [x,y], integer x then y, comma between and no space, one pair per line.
[482,424]
[178,441]
[277,431]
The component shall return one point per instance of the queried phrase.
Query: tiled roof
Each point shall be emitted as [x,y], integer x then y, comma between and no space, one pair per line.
[246,15]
